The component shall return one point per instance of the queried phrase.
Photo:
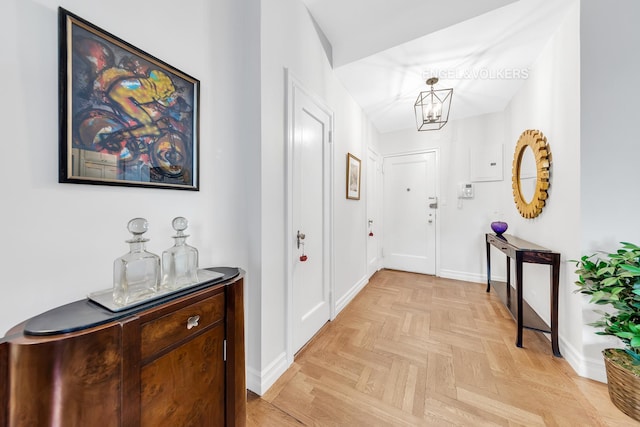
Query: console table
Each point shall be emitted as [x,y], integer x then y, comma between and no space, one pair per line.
[522,251]
[175,361]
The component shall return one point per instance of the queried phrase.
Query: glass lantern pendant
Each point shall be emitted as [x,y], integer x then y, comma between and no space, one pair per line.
[180,262]
[433,110]
[136,275]
[432,107]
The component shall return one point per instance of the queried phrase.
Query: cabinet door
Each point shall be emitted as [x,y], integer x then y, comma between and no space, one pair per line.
[70,380]
[185,387]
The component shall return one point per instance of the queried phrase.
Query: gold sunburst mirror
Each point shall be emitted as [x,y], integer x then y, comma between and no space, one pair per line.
[530,177]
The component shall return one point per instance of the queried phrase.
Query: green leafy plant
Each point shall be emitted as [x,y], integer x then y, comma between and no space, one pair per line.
[615,281]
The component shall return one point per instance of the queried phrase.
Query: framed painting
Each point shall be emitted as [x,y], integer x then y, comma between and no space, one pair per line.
[353,177]
[126,117]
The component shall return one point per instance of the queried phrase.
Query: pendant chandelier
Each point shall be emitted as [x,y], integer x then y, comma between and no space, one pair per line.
[432,107]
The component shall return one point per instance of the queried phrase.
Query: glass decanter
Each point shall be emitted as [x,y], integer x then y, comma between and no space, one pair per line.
[180,262]
[136,275]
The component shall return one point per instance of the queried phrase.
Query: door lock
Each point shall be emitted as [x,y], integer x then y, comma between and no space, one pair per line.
[300,236]
[433,205]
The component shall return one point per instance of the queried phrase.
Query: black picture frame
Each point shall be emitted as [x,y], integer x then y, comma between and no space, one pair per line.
[126,117]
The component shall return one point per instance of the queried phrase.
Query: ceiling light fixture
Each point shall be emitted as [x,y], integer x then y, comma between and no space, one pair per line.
[432,107]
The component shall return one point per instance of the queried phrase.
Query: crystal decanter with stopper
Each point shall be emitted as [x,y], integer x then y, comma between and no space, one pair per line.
[136,275]
[180,262]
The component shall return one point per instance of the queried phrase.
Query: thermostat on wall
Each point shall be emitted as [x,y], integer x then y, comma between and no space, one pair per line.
[465,191]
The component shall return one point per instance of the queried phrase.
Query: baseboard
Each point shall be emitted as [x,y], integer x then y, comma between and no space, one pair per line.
[260,382]
[467,277]
[351,294]
[589,367]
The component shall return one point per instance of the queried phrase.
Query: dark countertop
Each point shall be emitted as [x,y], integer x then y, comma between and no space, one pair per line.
[86,314]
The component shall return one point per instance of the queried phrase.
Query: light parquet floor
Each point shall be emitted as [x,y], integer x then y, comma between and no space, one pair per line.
[417,350]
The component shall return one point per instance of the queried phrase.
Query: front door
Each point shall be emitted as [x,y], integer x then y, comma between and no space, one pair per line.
[410,207]
[309,234]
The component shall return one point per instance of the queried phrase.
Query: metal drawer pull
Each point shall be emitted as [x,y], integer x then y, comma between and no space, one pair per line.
[192,321]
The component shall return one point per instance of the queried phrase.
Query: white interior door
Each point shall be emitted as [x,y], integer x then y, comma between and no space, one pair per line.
[310,186]
[410,207]
[373,218]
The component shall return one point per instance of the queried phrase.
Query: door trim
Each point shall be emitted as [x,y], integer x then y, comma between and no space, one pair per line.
[436,151]
[293,85]
[375,209]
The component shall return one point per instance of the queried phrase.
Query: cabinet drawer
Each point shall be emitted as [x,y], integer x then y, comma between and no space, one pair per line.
[501,245]
[174,327]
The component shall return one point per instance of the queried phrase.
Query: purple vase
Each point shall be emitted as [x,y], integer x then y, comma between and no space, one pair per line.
[499,227]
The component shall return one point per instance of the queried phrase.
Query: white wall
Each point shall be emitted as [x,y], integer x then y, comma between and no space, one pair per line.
[609,61]
[61,239]
[550,102]
[609,198]
[289,41]
[353,133]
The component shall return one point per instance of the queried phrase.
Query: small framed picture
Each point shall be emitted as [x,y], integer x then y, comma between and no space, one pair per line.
[353,177]
[126,117]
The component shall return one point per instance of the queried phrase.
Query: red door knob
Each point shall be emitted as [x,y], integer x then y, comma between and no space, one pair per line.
[303,258]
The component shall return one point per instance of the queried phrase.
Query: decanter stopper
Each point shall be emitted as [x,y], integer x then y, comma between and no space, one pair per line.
[180,224]
[137,227]
[180,262]
[136,275]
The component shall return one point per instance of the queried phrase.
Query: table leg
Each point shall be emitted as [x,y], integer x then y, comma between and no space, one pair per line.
[509,282]
[488,263]
[555,282]
[519,297]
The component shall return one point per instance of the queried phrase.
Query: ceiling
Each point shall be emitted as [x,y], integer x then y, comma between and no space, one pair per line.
[384,50]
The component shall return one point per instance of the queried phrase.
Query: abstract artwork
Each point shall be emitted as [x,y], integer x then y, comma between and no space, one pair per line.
[126,117]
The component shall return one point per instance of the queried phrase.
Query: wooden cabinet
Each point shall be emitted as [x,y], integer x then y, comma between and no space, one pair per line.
[175,362]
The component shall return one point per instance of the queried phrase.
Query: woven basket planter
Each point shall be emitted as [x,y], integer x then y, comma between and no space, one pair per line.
[623,383]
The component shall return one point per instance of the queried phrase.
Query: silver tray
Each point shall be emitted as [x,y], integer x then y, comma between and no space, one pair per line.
[105,297]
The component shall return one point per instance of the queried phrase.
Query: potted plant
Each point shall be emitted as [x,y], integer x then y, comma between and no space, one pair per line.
[614,280]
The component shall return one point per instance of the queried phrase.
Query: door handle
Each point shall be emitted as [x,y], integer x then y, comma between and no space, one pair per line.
[300,236]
